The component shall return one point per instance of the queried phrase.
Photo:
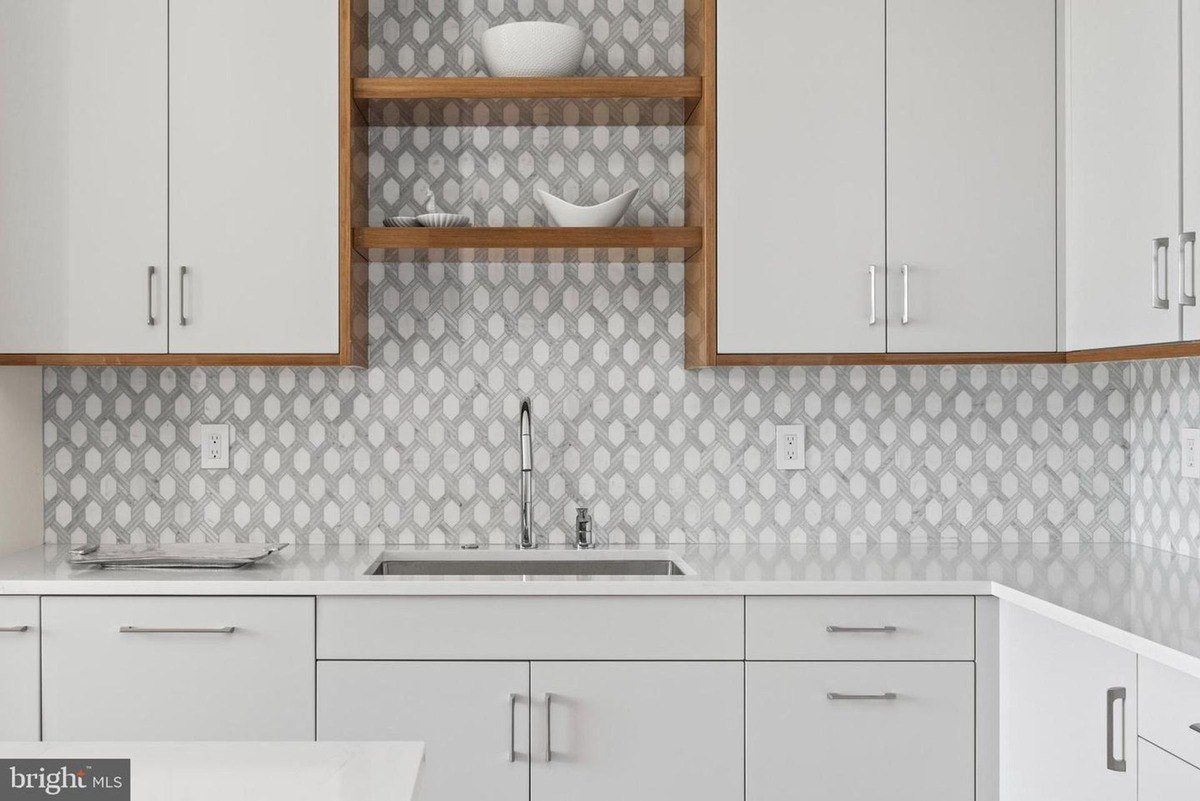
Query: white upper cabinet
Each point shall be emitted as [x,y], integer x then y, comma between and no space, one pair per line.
[971,175]
[1123,172]
[1190,164]
[801,188]
[83,176]
[960,100]
[254,176]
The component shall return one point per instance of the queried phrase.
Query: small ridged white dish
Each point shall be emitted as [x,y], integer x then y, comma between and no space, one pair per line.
[441,220]
[601,215]
[533,49]
[400,222]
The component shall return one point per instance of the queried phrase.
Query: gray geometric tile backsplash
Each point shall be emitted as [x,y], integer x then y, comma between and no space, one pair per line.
[420,447]
[1165,508]
[423,38]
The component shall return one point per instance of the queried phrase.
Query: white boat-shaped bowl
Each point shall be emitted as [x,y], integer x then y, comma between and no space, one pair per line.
[533,50]
[602,215]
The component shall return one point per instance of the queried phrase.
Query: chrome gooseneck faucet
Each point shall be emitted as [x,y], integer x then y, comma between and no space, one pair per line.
[528,539]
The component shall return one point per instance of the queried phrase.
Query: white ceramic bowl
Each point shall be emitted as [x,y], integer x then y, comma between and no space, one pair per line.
[602,215]
[442,220]
[533,50]
[400,222]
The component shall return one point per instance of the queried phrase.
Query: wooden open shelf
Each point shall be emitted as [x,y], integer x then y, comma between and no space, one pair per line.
[528,244]
[528,101]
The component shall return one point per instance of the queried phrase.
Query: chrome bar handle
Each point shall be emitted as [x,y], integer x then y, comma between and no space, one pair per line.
[851,697]
[13,629]
[1195,727]
[1158,299]
[861,629]
[1187,268]
[182,295]
[548,751]
[150,295]
[1115,694]
[871,317]
[512,727]
[904,307]
[154,630]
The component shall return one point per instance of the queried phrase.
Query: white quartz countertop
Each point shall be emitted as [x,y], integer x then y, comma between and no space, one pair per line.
[230,771]
[1140,598]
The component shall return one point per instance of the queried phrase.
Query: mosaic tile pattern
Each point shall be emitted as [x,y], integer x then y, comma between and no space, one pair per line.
[420,448]
[491,174]
[423,38]
[1165,508]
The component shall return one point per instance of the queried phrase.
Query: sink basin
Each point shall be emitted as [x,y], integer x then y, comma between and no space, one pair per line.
[522,564]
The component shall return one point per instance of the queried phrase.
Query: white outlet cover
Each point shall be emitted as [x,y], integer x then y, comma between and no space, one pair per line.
[1189,440]
[214,446]
[789,447]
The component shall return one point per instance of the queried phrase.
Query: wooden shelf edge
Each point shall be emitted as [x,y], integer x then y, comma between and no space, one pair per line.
[899,359]
[1164,350]
[687,87]
[175,360]
[500,238]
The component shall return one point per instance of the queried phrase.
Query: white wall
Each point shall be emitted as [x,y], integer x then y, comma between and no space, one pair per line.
[20,458]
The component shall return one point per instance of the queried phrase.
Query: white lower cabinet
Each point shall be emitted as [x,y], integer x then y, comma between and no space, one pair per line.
[19,658]
[1068,713]
[178,668]
[638,731]
[472,716]
[860,731]
[1165,777]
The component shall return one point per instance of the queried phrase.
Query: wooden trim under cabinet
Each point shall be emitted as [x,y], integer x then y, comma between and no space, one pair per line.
[173,359]
[1162,350]
[840,359]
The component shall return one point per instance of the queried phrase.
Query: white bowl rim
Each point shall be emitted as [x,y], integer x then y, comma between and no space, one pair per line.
[538,22]
[613,199]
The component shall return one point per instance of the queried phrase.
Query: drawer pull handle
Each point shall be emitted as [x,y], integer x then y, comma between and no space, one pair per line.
[861,629]
[1113,695]
[549,752]
[851,697]
[1195,727]
[13,629]
[512,727]
[141,630]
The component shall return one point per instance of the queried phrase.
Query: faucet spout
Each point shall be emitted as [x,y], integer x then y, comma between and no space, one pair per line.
[528,540]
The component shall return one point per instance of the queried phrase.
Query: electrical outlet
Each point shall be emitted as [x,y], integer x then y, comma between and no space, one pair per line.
[214,446]
[789,447]
[1190,463]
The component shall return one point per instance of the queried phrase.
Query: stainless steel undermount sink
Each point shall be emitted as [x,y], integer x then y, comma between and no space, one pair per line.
[520,564]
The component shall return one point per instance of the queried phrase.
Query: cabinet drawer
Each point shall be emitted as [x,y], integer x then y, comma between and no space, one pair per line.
[529,628]
[1162,777]
[860,628]
[19,628]
[178,668]
[916,746]
[1169,705]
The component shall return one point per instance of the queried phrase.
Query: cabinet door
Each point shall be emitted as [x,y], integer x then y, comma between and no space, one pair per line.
[254,176]
[1122,171]
[19,679]
[83,160]
[971,175]
[1190,163]
[472,716]
[638,731]
[800,164]
[803,743]
[1164,777]
[178,668]
[1058,711]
